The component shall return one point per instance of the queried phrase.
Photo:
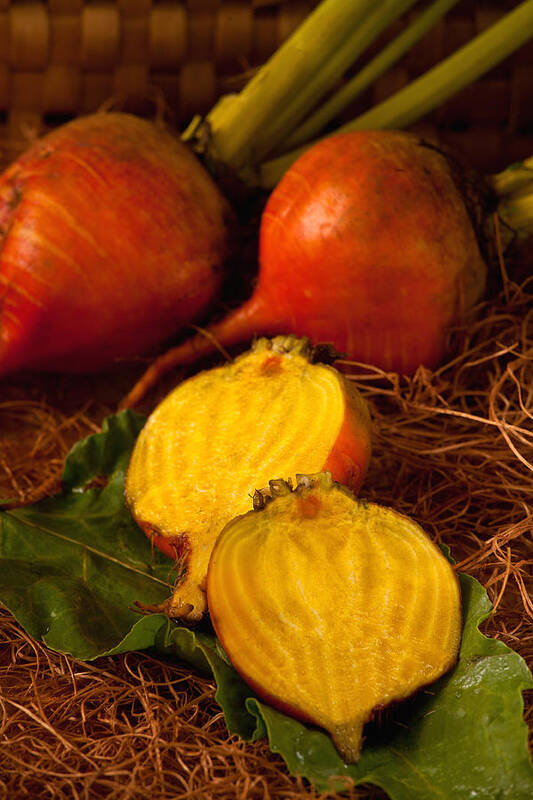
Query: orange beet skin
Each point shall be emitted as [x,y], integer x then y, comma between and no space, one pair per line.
[113,238]
[365,243]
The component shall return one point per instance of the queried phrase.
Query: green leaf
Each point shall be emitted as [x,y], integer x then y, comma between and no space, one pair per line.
[107,453]
[203,651]
[72,566]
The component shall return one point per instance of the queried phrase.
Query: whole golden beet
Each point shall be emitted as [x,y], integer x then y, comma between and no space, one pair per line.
[112,238]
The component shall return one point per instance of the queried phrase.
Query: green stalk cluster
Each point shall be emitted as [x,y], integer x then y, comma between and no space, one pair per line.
[260,132]
[238,124]
[365,77]
[430,90]
[514,187]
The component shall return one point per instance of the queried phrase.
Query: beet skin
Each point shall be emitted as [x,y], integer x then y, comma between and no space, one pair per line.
[113,238]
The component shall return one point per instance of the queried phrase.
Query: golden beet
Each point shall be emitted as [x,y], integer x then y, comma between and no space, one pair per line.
[224,433]
[330,607]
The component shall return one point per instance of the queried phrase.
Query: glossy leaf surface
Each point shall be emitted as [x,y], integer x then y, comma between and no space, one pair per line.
[72,566]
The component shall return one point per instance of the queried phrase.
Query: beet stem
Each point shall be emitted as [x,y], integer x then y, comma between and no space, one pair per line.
[433,88]
[352,89]
[238,124]
[302,102]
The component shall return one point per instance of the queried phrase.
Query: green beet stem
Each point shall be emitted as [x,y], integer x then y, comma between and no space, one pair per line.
[351,90]
[514,186]
[238,123]
[434,87]
[516,178]
[286,118]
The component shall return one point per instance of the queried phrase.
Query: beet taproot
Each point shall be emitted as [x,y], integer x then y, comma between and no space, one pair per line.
[365,243]
[330,607]
[222,434]
[113,237]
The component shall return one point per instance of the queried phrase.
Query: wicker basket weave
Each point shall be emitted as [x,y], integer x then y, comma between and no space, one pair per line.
[68,57]
[61,58]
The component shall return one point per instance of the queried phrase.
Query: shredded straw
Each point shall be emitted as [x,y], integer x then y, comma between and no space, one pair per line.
[452,448]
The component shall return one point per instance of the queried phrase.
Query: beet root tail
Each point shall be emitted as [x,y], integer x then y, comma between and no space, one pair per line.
[240,325]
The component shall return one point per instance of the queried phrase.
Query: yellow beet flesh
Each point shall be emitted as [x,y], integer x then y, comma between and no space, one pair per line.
[223,434]
[330,607]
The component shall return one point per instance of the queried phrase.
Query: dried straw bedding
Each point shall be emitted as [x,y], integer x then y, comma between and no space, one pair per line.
[452,448]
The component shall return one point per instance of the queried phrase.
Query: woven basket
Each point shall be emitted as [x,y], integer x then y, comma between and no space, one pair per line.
[68,57]
[62,58]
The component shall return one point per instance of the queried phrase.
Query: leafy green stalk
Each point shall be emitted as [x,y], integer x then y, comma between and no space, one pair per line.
[289,115]
[514,187]
[517,215]
[515,179]
[434,87]
[351,90]
[238,122]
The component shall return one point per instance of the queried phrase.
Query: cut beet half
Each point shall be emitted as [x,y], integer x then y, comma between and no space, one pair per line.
[330,607]
[223,434]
